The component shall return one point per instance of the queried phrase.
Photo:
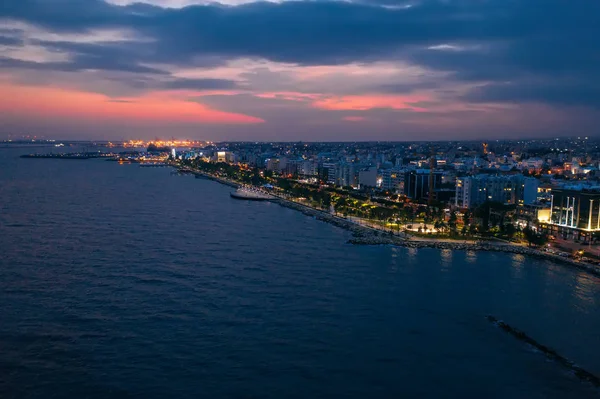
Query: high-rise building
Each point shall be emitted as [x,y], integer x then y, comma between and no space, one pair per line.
[472,191]
[346,175]
[368,177]
[392,179]
[417,184]
[308,168]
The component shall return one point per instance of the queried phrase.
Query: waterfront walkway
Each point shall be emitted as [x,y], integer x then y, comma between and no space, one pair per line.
[366,232]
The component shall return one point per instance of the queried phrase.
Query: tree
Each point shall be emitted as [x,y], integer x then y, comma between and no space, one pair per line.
[510,230]
[467,217]
[452,222]
[533,238]
[472,229]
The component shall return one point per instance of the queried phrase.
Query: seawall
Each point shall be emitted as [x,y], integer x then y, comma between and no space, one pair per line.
[364,235]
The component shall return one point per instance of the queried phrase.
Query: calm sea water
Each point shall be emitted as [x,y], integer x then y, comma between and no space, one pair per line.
[121,281]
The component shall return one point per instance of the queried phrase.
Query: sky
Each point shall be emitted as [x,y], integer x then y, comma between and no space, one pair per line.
[300,70]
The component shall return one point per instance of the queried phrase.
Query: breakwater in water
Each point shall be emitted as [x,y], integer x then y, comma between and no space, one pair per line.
[549,352]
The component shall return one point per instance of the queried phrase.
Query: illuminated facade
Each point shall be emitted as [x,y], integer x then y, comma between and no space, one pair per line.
[473,191]
[225,156]
[575,209]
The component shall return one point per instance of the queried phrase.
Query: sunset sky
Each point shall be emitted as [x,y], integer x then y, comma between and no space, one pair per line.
[300,70]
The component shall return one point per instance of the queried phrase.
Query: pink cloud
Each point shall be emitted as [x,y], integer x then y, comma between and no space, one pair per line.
[58,103]
[354,118]
[366,102]
[290,96]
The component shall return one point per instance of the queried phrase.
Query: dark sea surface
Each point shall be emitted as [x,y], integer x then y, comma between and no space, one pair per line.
[120,281]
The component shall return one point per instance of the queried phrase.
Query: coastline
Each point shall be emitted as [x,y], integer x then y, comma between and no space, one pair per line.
[364,235]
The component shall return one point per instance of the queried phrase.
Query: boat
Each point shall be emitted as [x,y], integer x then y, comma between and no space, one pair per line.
[250,194]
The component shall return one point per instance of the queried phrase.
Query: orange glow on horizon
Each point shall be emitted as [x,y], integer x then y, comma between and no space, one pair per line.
[50,102]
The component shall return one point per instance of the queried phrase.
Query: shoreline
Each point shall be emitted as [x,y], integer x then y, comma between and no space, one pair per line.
[364,235]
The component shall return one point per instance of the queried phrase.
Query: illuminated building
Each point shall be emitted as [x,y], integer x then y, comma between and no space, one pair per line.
[472,191]
[574,211]
[392,179]
[225,156]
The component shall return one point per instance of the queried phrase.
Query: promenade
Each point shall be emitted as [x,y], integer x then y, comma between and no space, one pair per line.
[368,233]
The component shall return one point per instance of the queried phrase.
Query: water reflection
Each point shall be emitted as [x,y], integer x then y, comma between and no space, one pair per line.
[446,262]
[412,254]
[585,288]
[394,260]
[471,256]
[518,261]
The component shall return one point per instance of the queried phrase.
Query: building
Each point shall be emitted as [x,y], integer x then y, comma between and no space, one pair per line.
[392,179]
[472,191]
[308,168]
[328,172]
[416,183]
[346,175]
[367,177]
[531,187]
[225,156]
[276,164]
[574,212]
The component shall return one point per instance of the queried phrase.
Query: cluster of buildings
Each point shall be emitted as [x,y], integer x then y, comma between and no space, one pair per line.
[554,183]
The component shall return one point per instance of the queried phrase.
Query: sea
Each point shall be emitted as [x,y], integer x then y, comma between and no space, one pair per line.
[118,281]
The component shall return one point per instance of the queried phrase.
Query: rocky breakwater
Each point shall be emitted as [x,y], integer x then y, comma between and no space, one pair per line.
[550,353]
[326,217]
[383,239]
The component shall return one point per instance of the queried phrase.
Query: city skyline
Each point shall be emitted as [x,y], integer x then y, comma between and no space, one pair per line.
[299,70]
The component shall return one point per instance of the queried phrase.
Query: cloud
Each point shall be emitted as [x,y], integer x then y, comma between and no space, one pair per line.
[56,104]
[200,84]
[79,63]
[352,118]
[377,56]
[558,93]
[10,41]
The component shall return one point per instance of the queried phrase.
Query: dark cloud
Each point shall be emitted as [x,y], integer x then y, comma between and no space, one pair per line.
[403,88]
[558,93]
[10,41]
[79,63]
[304,32]
[201,84]
[510,44]
[66,15]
